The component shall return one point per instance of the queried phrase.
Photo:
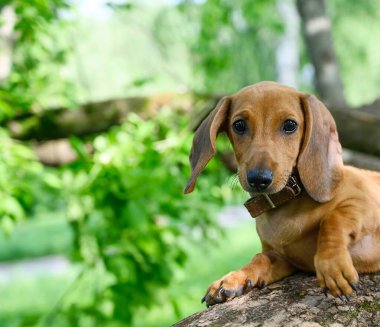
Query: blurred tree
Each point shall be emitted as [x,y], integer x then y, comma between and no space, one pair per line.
[7,36]
[355,26]
[20,179]
[317,33]
[28,37]
[129,215]
[288,49]
[24,34]
[236,42]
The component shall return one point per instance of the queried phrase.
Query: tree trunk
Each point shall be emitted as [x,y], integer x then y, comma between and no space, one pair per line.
[317,34]
[297,301]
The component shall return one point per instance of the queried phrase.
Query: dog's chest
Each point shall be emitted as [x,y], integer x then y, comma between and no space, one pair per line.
[295,237]
[279,232]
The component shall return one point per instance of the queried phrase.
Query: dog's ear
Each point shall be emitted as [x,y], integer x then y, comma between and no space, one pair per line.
[320,160]
[204,148]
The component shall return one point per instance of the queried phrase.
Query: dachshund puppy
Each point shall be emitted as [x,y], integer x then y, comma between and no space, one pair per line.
[320,216]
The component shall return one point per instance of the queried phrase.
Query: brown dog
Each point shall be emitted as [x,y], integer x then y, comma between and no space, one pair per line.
[329,224]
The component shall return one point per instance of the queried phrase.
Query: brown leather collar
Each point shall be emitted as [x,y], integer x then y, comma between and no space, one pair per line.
[260,203]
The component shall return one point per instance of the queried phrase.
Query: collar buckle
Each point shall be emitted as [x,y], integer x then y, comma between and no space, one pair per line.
[262,202]
[293,183]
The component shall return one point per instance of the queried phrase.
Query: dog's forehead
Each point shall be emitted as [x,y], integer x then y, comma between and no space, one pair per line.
[266,95]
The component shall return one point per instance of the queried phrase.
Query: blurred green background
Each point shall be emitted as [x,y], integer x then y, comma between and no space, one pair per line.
[95,230]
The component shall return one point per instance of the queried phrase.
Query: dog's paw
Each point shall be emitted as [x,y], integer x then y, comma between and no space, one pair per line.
[231,285]
[336,273]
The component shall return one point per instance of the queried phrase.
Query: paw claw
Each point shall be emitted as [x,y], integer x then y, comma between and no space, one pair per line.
[229,293]
[261,285]
[206,298]
[354,287]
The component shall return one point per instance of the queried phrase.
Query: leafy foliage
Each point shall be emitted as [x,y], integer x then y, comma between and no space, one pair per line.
[26,186]
[236,43]
[35,33]
[128,212]
[19,172]
[354,26]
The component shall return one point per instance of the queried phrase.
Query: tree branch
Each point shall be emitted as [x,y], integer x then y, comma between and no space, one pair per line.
[88,119]
[358,129]
[296,301]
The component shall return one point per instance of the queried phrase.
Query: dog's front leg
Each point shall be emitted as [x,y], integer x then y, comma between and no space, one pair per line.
[265,268]
[333,262]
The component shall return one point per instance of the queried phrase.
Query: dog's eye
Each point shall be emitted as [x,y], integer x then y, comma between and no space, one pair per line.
[289,126]
[239,126]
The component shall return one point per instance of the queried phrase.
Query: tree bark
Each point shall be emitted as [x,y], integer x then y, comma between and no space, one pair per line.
[296,301]
[56,152]
[358,130]
[87,119]
[90,118]
[318,39]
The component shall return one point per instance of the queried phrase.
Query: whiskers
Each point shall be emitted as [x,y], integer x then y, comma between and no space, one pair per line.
[234,182]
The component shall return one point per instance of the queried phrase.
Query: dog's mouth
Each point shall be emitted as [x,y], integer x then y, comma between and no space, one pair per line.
[277,186]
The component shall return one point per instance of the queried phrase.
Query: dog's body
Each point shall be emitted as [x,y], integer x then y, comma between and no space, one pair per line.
[332,227]
[292,229]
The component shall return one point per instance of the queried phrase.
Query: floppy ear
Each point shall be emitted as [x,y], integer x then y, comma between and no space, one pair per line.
[320,160]
[203,148]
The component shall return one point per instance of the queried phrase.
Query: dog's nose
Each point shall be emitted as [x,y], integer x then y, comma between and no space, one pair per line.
[259,179]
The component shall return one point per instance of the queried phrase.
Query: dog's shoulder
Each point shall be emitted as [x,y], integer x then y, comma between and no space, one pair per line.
[360,188]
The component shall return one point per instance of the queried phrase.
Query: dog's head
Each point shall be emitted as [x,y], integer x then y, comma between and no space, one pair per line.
[274,130]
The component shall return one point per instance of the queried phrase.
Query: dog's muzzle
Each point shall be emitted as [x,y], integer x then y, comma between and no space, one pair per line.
[260,203]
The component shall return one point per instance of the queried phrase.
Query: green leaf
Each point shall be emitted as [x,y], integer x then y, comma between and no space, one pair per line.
[7,225]
[12,207]
[79,147]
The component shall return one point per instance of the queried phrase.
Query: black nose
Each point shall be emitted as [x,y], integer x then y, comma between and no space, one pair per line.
[259,179]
